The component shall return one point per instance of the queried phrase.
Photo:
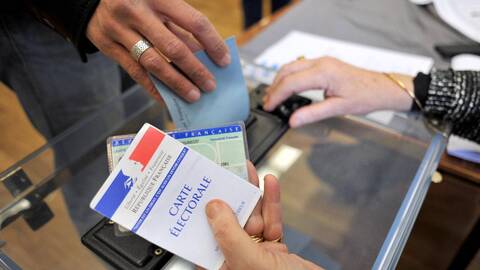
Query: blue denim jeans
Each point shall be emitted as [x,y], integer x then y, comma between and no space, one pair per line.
[57,89]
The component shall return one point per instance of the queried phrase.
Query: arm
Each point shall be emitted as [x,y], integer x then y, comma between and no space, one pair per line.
[173,27]
[445,95]
[452,96]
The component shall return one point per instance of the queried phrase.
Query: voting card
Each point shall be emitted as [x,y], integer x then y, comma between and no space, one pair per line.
[228,103]
[159,191]
[225,145]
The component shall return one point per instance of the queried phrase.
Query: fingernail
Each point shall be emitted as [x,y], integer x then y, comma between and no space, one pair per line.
[225,60]
[213,208]
[266,106]
[193,95]
[296,121]
[210,85]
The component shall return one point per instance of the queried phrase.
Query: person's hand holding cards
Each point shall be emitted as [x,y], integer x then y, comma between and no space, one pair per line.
[265,222]
[258,245]
[160,188]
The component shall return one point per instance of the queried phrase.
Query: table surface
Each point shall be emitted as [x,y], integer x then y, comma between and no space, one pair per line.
[351,188]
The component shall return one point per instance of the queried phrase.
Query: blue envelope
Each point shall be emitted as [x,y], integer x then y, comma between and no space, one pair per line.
[228,103]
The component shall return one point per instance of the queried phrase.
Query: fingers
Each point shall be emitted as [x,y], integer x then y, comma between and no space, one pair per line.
[254,224]
[252,173]
[152,61]
[149,61]
[196,23]
[292,67]
[136,72]
[126,22]
[106,44]
[161,69]
[236,245]
[185,36]
[154,30]
[294,83]
[271,209]
[330,107]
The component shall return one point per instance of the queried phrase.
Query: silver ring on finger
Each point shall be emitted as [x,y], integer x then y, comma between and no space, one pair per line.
[139,48]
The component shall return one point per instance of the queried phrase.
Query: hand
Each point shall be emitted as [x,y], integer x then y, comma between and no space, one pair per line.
[173,28]
[348,90]
[266,218]
[238,248]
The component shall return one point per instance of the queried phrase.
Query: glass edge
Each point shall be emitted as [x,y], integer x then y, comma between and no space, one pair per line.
[68,132]
[45,181]
[397,236]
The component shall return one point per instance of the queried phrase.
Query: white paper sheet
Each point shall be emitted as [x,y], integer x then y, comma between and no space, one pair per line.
[298,43]
[463,15]
[421,2]
[463,149]
[465,62]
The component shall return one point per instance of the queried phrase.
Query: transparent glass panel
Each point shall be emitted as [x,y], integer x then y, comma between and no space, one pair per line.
[345,183]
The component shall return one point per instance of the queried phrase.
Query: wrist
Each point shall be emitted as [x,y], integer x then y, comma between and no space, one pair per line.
[400,89]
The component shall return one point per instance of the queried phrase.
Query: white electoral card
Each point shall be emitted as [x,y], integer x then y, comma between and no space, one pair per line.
[159,191]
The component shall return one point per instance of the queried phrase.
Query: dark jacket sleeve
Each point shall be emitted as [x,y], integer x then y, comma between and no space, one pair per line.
[452,96]
[69,18]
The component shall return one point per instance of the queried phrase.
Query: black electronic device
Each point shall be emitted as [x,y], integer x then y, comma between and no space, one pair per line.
[449,51]
[130,251]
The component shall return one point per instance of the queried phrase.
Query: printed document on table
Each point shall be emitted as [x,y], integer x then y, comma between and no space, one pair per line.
[463,149]
[463,15]
[298,43]
[465,62]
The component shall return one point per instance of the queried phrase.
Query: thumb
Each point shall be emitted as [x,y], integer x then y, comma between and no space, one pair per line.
[234,242]
[327,108]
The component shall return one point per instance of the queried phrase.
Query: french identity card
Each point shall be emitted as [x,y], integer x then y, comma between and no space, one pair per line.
[225,145]
[159,191]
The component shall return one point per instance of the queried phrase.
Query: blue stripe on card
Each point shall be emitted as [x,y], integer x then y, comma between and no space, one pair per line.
[114,195]
[159,192]
[205,132]
[121,142]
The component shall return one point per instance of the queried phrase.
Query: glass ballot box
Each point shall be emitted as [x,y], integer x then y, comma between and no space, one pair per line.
[351,187]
